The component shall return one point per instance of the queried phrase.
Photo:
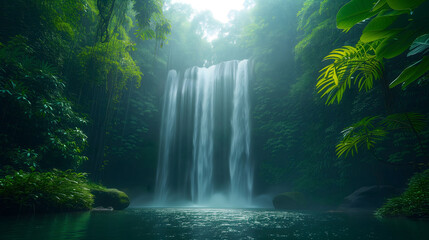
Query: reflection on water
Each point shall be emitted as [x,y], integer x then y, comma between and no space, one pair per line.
[52,226]
[198,223]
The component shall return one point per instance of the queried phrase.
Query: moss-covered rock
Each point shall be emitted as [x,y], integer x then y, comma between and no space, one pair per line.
[110,197]
[290,201]
[414,202]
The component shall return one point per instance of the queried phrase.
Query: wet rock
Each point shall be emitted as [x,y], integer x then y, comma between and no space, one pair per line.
[290,201]
[368,197]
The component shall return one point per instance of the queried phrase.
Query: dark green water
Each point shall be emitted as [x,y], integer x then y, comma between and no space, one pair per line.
[200,223]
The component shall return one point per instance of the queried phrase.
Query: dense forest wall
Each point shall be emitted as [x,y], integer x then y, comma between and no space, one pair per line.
[98,109]
[82,82]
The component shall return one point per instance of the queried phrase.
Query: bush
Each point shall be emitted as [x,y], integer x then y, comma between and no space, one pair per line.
[54,191]
[414,202]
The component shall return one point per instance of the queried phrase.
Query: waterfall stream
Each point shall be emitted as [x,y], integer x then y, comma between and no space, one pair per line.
[204,153]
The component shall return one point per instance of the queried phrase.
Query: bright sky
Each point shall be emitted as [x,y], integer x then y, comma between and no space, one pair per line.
[219,8]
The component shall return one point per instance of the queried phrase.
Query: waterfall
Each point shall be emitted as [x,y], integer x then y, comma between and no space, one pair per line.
[240,170]
[204,151]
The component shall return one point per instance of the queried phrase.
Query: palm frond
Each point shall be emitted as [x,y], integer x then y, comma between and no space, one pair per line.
[366,132]
[409,121]
[352,65]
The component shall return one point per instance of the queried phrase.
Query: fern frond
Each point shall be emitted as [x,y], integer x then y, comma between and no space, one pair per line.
[352,65]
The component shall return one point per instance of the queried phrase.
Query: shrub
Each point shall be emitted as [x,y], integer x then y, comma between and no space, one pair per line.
[414,202]
[54,191]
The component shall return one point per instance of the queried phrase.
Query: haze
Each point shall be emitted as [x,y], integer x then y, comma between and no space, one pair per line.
[219,8]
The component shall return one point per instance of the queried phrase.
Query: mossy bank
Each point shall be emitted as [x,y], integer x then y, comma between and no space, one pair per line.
[55,191]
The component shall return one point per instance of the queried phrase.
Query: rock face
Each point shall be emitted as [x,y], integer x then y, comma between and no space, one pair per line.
[369,197]
[110,197]
[289,201]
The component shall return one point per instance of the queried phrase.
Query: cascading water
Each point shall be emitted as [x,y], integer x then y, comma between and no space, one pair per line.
[205,137]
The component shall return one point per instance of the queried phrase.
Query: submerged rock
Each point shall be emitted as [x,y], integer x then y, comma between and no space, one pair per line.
[368,197]
[290,201]
[110,198]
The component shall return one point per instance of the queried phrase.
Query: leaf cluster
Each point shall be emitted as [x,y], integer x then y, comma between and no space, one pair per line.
[397,25]
[352,65]
[110,62]
[371,130]
[39,117]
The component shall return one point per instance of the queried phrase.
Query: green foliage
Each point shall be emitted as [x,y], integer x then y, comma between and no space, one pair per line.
[357,65]
[110,64]
[404,4]
[89,54]
[398,26]
[420,46]
[361,133]
[412,73]
[414,202]
[158,28]
[372,130]
[354,12]
[145,10]
[36,115]
[387,35]
[413,122]
[31,192]
[378,28]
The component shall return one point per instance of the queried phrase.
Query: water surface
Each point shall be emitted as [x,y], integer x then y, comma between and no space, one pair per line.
[209,223]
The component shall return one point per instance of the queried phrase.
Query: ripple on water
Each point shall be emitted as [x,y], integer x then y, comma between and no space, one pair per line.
[206,223]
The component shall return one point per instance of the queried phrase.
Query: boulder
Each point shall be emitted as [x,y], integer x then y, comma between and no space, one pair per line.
[110,197]
[290,201]
[368,197]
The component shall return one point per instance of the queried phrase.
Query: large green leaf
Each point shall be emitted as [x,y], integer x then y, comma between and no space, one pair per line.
[412,73]
[377,28]
[354,12]
[396,44]
[404,4]
[380,4]
[386,24]
[420,45]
